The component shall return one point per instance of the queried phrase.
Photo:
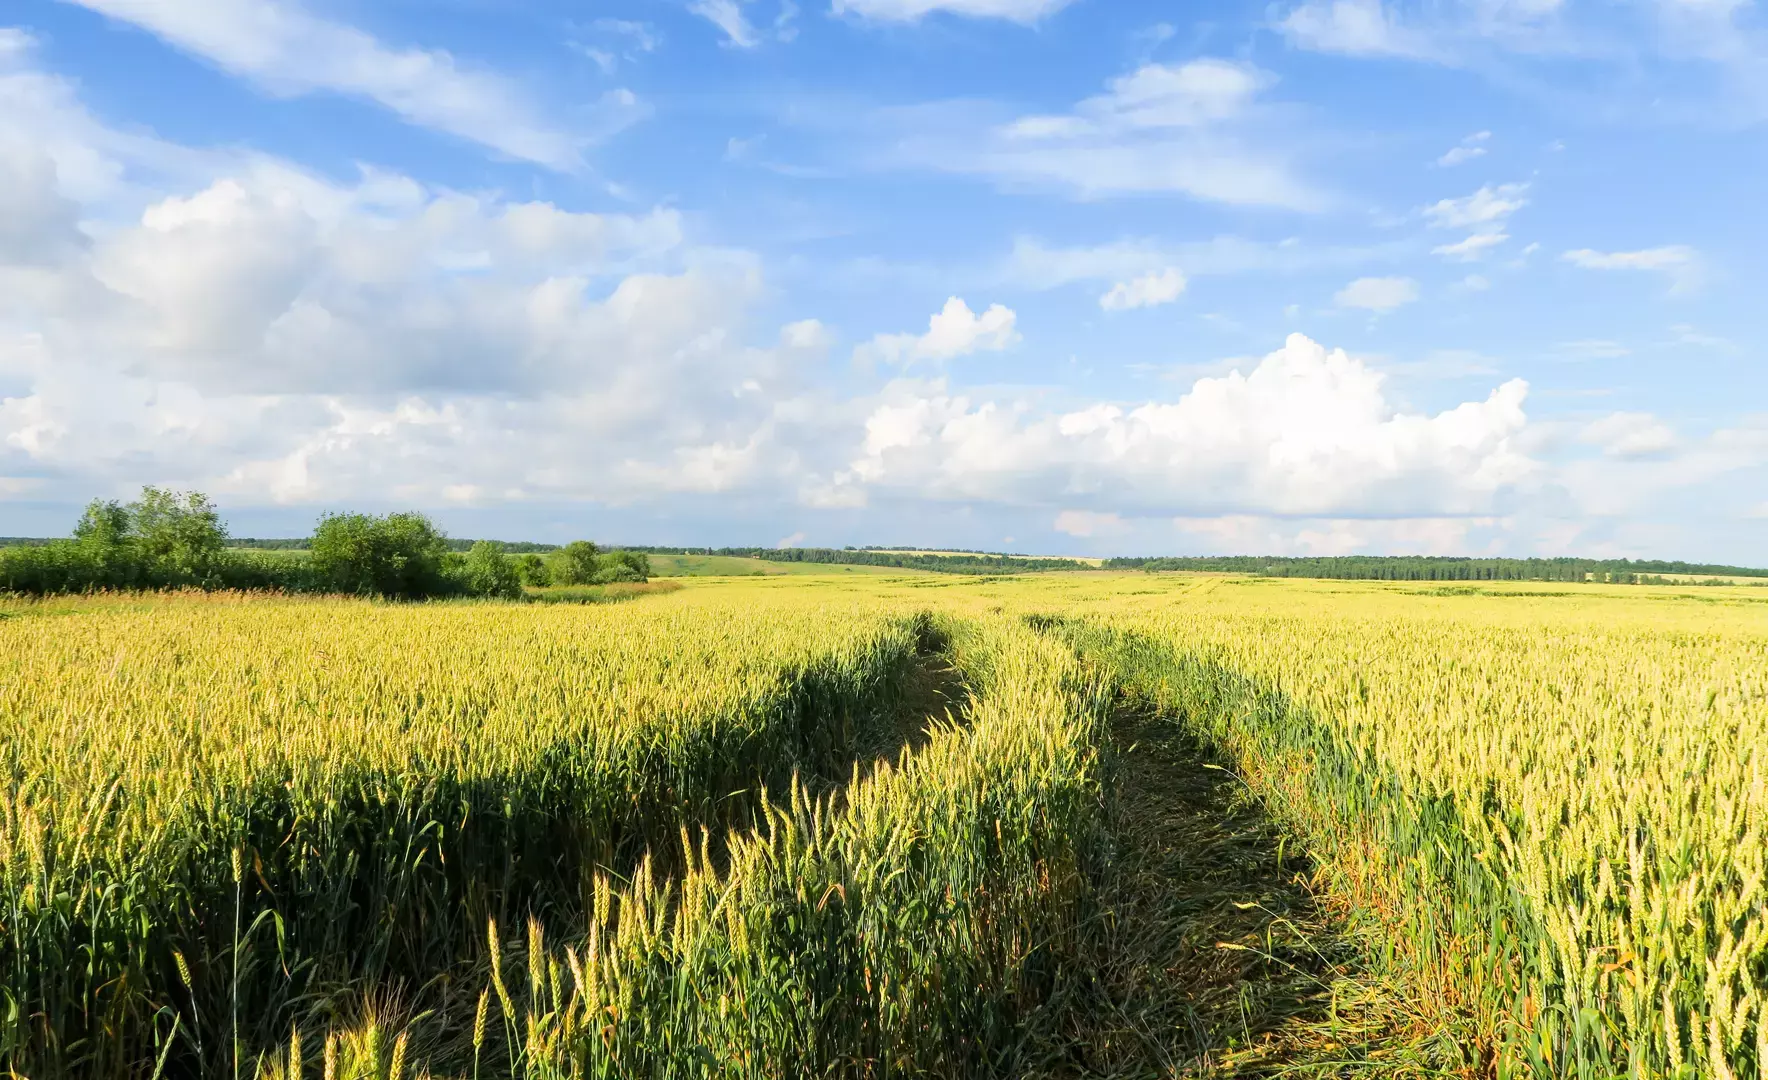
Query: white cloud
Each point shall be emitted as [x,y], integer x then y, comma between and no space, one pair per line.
[1149,290]
[1645,51]
[1679,263]
[1471,248]
[1154,96]
[806,334]
[1036,265]
[1088,523]
[1188,128]
[1378,294]
[1251,534]
[1471,147]
[952,332]
[271,336]
[1488,206]
[1353,27]
[1630,435]
[288,51]
[1307,431]
[728,16]
[1021,11]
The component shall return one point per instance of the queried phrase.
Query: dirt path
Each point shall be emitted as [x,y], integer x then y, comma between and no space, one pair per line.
[1219,961]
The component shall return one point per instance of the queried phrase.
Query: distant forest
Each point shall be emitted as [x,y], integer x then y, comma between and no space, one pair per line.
[1346,567]
[1437,568]
[969,563]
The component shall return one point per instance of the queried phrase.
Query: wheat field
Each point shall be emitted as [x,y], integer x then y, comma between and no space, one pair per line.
[874,825]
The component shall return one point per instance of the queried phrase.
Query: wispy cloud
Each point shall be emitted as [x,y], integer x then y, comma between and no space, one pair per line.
[1149,290]
[288,51]
[1020,11]
[1354,28]
[1678,262]
[1487,206]
[1474,146]
[1194,128]
[728,16]
[1484,212]
[1377,294]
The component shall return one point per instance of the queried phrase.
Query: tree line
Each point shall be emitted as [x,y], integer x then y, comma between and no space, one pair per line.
[171,540]
[1439,568]
[965,563]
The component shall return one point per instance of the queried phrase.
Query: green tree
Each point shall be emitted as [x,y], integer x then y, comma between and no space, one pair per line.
[399,555]
[575,564]
[104,554]
[489,573]
[533,570]
[179,534]
[104,525]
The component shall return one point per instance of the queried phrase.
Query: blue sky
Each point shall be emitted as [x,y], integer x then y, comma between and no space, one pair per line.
[1328,276]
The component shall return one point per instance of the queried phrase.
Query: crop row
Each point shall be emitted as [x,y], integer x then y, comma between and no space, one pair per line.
[216,812]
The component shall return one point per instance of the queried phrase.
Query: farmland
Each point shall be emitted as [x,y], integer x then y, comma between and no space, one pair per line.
[882,823]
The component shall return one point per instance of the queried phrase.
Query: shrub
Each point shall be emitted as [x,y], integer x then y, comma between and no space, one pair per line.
[487,572]
[399,555]
[636,563]
[618,572]
[575,563]
[533,570]
[165,539]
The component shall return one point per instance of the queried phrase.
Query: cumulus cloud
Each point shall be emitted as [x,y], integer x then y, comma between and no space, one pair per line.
[270,335]
[952,332]
[1020,11]
[1677,262]
[1377,294]
[1630,435]
[1306,431]
[288,51]
[1149,290]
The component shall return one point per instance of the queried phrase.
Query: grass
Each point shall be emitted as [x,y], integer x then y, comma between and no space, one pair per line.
[600,594]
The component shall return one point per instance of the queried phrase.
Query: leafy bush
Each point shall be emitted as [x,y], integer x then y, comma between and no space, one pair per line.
[178,534]
[533,570]
[487,572]
[638,563]
[399,556]
[574,564]
[617,572]
[165,539]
